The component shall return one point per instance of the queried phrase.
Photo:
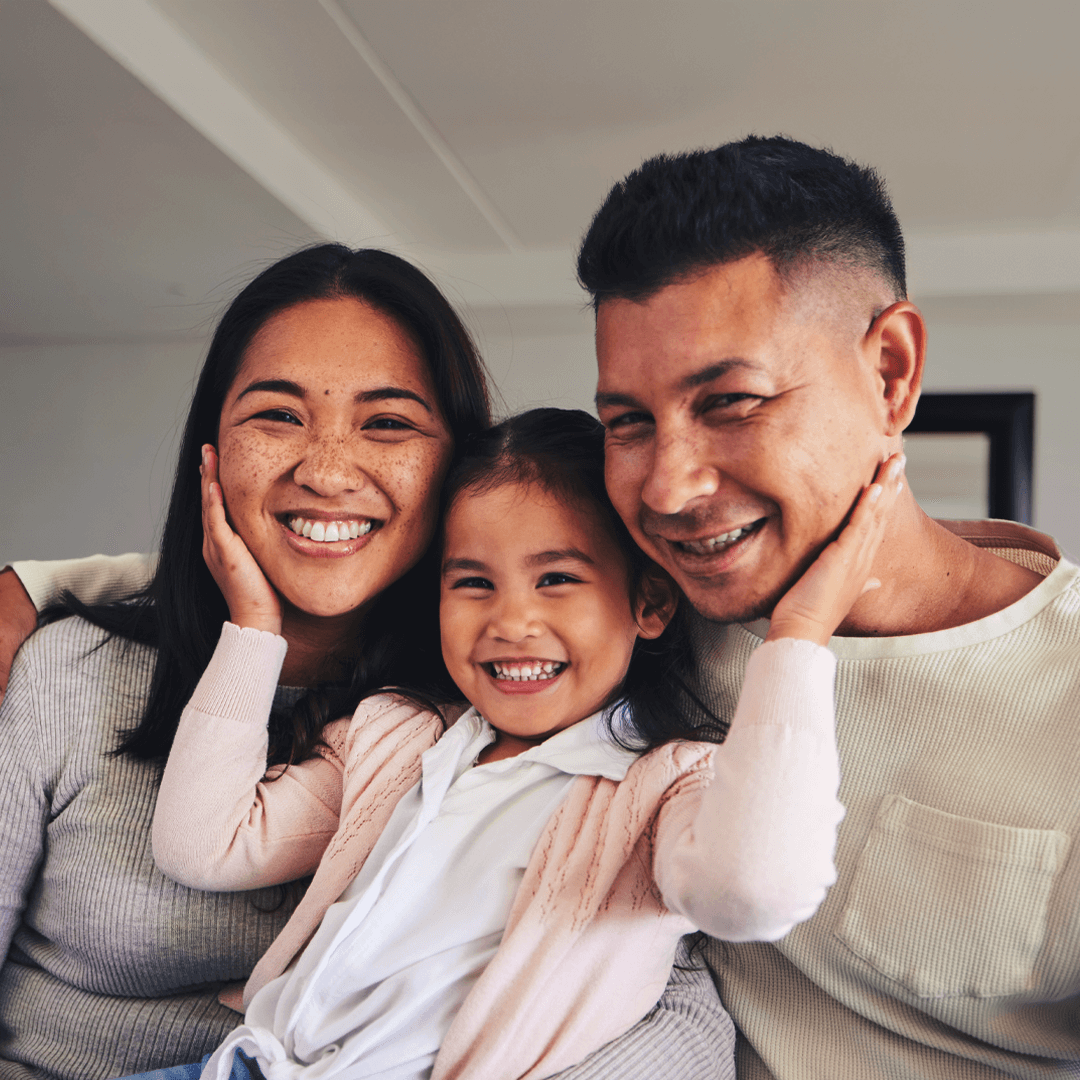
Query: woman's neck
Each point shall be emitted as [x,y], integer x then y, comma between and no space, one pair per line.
[319,646]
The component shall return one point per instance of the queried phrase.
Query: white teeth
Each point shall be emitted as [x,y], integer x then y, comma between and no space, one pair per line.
[329,531]
[707,547]
[537,671]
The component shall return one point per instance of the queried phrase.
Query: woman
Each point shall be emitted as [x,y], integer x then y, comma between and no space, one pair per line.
[335,388]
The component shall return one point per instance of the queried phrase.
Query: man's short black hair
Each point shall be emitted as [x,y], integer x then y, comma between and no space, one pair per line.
[791,202]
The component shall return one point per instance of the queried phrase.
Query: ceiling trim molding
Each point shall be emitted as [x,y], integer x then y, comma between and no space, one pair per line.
[140,38]
[426,129]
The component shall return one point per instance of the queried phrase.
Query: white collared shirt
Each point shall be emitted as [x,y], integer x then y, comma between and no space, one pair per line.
[376,989]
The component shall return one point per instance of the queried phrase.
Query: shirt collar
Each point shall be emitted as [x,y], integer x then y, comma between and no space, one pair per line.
[583,749]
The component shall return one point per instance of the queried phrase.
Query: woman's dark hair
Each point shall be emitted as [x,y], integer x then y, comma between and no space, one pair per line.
[181,611]
[794,203]
[562,452]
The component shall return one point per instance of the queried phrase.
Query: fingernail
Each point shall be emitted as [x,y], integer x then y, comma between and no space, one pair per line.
[875,492]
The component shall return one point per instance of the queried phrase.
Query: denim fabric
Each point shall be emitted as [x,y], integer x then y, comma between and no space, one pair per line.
[243,1068]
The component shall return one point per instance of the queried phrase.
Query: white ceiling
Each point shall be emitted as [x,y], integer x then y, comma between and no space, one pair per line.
[156,151]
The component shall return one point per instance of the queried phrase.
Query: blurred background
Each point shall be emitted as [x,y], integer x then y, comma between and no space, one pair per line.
[155,154]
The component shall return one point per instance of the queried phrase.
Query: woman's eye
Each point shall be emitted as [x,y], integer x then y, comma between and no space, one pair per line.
[472,583]
[280,415]
[557,579]
[387,423]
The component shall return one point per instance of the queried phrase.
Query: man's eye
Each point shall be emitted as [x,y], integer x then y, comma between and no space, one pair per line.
[556,579]
[627,421]
[473,583]
[280,415]
[724,401]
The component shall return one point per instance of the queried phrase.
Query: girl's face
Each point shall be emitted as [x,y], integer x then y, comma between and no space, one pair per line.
[535,613]
[332,447]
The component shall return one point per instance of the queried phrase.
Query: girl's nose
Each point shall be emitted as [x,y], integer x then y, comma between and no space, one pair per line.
[514,619]
[328,467]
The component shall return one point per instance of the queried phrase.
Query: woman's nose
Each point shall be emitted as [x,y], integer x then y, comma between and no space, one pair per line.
[328,467]
[678,474]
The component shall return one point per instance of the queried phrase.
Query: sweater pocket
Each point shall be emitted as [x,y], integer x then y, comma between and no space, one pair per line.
[950,906]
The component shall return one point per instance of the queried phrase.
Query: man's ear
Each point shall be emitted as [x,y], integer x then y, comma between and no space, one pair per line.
[896,346]
[657,599]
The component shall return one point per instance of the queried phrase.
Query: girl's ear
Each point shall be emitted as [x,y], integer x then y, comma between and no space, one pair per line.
[657,599]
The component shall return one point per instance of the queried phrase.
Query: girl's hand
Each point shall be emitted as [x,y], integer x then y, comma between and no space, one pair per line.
[818,602]
[251,598]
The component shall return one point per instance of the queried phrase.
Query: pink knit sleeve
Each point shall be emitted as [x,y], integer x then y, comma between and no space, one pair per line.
[752,855]
[222,821]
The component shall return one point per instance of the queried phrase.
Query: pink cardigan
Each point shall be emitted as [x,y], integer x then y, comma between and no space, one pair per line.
[621,871]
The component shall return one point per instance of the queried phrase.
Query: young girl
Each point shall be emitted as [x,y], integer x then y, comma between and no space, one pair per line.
[498,891]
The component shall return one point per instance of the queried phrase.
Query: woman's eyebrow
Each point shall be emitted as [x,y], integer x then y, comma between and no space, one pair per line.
[391,393]
[274,386]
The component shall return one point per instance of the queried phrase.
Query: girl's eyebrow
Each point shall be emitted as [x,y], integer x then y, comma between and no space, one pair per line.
[545,558]
[463,564]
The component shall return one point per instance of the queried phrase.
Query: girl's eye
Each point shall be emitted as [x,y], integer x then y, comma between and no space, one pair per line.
[473,583]
[280,415]
[557,579]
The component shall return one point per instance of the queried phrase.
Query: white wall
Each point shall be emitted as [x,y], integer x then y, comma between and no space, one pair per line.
[87,445]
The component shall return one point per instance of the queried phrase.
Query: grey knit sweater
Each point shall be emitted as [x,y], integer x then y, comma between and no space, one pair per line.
[111,967]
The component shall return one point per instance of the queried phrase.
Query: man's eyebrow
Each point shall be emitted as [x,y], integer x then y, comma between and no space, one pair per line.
[689,382]
[546,558]
[714,371]
[274,386]
[392,393]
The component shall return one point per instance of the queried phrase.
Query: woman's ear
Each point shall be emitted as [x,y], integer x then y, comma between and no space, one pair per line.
[657,599]
[896,342]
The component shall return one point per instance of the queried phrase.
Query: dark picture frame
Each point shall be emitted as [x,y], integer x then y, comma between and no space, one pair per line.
[1009,421]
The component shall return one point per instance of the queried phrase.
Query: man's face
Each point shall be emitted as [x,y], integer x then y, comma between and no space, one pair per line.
[743,419]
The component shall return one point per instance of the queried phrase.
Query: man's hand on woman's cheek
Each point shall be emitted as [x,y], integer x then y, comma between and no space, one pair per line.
[18,619]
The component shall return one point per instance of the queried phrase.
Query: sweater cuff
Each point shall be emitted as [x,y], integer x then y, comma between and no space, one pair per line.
[788,682]
[241,678]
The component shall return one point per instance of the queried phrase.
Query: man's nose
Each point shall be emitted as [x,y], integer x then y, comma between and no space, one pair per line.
[678,474]
[328,467]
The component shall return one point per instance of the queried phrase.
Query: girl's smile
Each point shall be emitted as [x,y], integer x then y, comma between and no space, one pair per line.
[535,614]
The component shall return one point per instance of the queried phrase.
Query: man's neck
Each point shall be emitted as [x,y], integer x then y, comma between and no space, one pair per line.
[931,580]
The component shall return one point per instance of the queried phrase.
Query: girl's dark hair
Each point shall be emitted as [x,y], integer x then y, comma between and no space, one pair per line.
[562,452]
[181,611]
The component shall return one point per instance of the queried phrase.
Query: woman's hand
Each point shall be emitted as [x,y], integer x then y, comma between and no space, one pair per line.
[251,598]
[818,602]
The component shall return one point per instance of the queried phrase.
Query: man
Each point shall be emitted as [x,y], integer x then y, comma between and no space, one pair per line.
[757,359]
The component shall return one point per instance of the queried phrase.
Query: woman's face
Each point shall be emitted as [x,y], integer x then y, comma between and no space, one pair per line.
[332,428]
